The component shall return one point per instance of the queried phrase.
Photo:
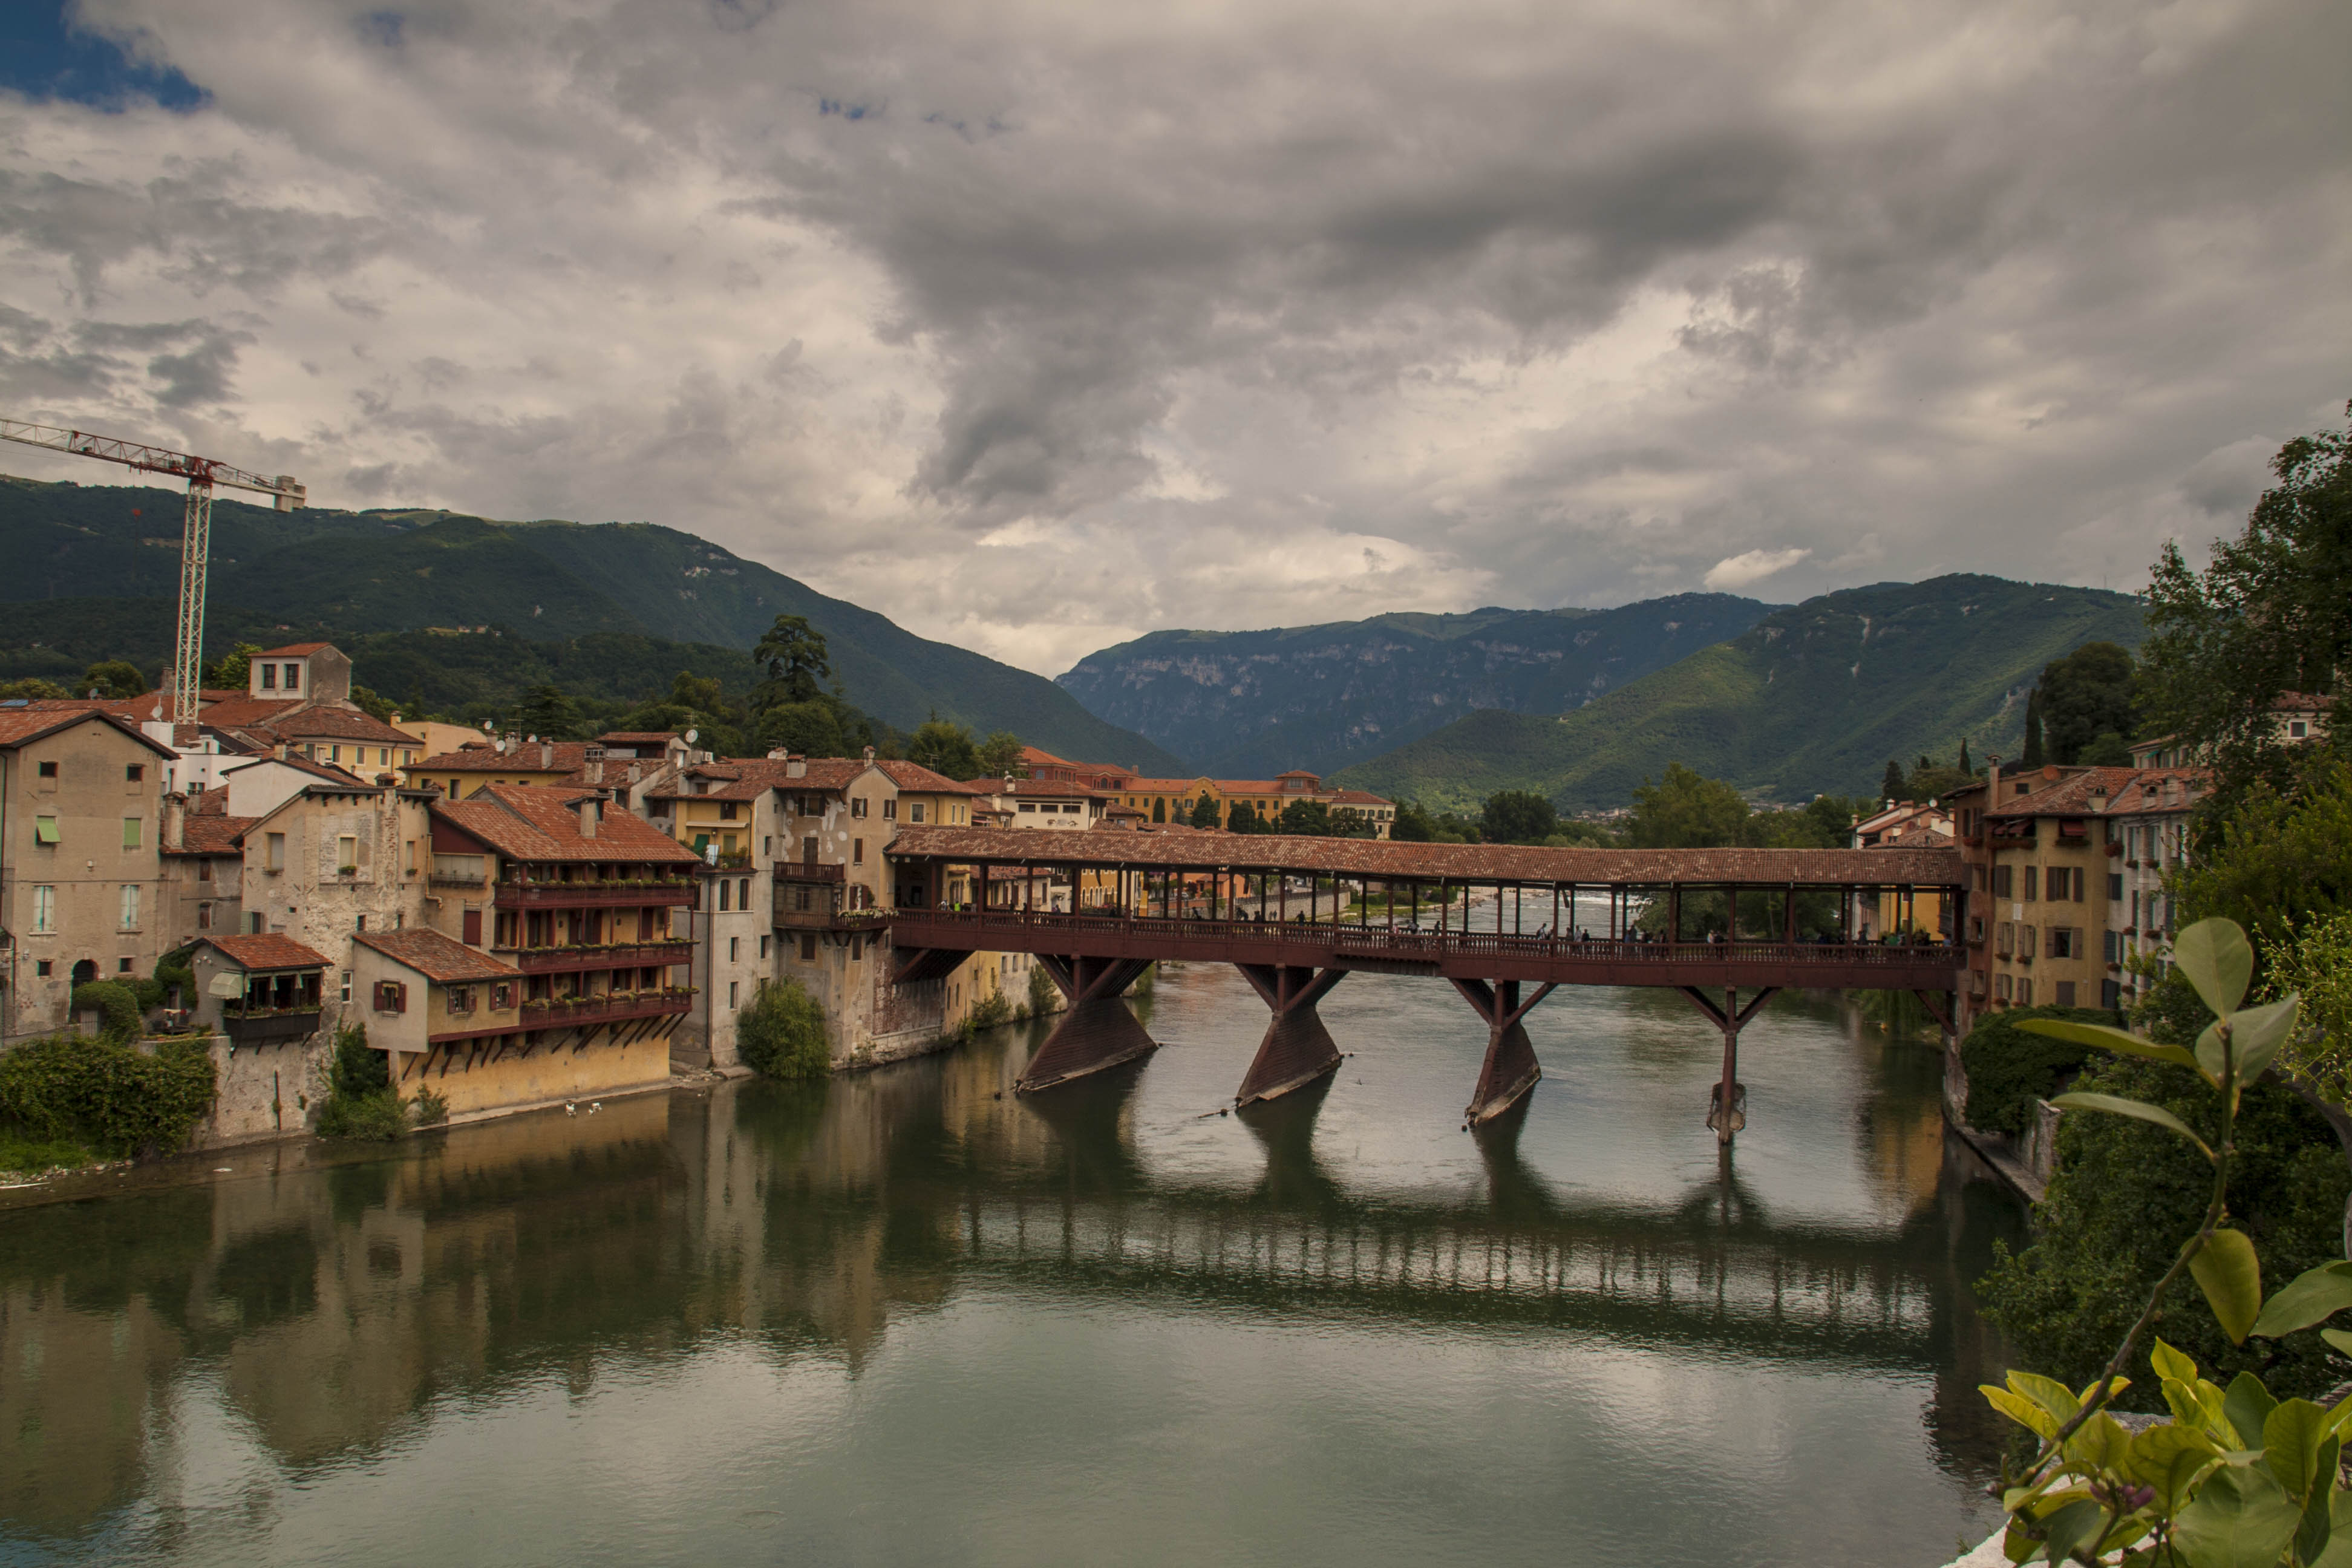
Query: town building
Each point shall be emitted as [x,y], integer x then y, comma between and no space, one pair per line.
[553,960]
[632,765]
[81,881]
[2045,852]
[203,864]
[1899,824]
[2147,842]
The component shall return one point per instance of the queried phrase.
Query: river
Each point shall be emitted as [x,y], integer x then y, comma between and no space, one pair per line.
[909,1317]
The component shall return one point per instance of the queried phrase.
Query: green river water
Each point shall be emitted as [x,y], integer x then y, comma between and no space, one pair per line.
[908,1316]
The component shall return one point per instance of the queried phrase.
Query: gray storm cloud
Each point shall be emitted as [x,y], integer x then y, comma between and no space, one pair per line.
[1035,328]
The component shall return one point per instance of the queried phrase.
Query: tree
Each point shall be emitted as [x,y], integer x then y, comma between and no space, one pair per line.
[999,756]
[2270,615]
[782,1034]
[1966,766]
[1244,819]
[791,656]
[33,689]
[1205,813]
[1517,816]
[2108,751]
[375,707]
[235,670]
[945,747]
[2034,756]
[1307,819]
[114,678]
[701,693]
[2085,695]
[1686,811]
[1891,787]
[810,729]
[549,712]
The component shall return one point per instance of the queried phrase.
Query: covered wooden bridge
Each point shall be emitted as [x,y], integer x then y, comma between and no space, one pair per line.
[1296,916]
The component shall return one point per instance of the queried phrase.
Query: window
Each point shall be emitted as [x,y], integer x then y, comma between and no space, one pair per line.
[293,678]
[274,852]
[41,968]
[915,811]
[725,891]
[335,754]
[2066,994]
[726,811]
[2002,880]
[411,847]
[203,917]
[253,922]
[767,847]
[204,870]
[2025,993]
[2111,947]
[2115,886]
[763,946]
[269,678]
[2032,874]
[470,924]
[857,806]
[45,908]
[2065,941]
[808,950]
[134,773]
[734,948]
[129,906]
[733,988]
[743,893]
[130,834]
[48,770]
[891,809]
[44,830]
[1028,805]
[2029,943]
[362,925]
[347,855]
[857,852]
[391,997]
[2298,729]
[502,996]
[461,998]
[2005,942]
[121,966]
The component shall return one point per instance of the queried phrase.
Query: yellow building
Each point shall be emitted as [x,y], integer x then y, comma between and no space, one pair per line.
[2045,912]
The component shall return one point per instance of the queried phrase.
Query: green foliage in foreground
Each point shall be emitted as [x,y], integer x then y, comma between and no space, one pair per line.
[361,1103]
[2009,1067]
[2238,1477]
[781,1033]
[105,1094]
[1043,998]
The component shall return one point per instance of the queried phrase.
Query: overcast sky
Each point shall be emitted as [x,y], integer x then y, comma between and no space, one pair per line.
[1039,327]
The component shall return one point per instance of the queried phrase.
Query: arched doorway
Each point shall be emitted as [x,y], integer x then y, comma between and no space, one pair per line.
[85,972]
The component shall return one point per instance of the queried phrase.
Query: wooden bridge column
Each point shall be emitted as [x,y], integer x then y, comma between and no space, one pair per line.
[1726,1105]
[1297,1050]
[1098,1031]
[1509,1069]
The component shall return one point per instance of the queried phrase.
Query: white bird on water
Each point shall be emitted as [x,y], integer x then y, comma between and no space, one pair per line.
[569,1109]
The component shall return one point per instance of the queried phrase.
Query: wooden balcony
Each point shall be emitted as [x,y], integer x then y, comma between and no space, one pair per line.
[581,895]
[262,1027]
[802,871]
[572,959]
[559,1012]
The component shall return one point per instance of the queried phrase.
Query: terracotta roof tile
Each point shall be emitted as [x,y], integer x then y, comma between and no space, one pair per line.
[570,756]
[213,835]
[2070,796]
[1459,862]
[19,725]
[239,711]
[265,951]
[526,822]
[639,737]
[293,650]
[2148,791]
[330,722]
[440,959]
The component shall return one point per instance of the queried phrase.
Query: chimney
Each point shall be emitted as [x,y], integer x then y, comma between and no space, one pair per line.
[870,753]
[594,757]
[633,774]
[175,821]
[279,751]
[795,767]
[547,753]
[590,809]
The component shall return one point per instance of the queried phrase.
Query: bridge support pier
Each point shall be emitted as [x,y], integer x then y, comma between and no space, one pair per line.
[1297,1050]
[1509,1069]
[1098,1031]
[1726,1102]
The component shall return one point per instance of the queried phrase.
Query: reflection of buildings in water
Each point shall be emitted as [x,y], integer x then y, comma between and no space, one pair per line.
[340,1300]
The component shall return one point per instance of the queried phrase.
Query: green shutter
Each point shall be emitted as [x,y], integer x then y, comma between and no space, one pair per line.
[44,830]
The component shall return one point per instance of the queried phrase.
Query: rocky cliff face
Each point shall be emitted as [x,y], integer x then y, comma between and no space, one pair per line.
[1248,704]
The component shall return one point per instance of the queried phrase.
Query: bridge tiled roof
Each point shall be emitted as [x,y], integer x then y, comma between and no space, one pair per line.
[1905,865]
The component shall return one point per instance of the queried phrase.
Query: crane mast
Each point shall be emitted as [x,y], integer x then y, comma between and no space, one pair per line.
[195,531]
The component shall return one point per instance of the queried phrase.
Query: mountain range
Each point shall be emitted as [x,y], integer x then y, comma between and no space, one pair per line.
[1250,704]
[1813,697]
[561,594]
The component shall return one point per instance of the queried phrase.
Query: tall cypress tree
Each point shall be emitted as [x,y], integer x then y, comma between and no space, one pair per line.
[1966,766]
[1890,788]
[2033,757]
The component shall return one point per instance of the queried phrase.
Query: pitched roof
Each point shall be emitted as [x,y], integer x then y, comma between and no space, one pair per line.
[2070,796]
[214,832]
[914,776]
[1358,798]
[1161,846]
[332,722]
[2161,790]
[21,725]
[293,650]
[569,756]
[265,951]
[748,778]
[527,822]
[238,712]
[639,737]
[325,773]
[440,959]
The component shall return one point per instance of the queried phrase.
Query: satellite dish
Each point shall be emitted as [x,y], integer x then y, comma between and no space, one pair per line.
[486,726]
[692,736]
[531,737]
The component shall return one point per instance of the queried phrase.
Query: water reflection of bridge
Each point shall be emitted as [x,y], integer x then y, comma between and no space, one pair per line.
[1733,920]
[333,1300]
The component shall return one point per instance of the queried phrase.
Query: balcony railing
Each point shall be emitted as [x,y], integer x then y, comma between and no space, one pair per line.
[267,1027]
[556,1013]
[613,956]
[575,895]
[802,871]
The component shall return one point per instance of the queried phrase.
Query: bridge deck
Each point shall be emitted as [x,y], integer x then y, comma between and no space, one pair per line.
[1454,954]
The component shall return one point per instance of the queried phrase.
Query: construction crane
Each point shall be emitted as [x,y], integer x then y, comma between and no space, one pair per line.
[195,533]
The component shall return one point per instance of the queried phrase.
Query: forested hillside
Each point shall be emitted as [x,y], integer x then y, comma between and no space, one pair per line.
[549,586]
[1237,704]
[1815,697]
